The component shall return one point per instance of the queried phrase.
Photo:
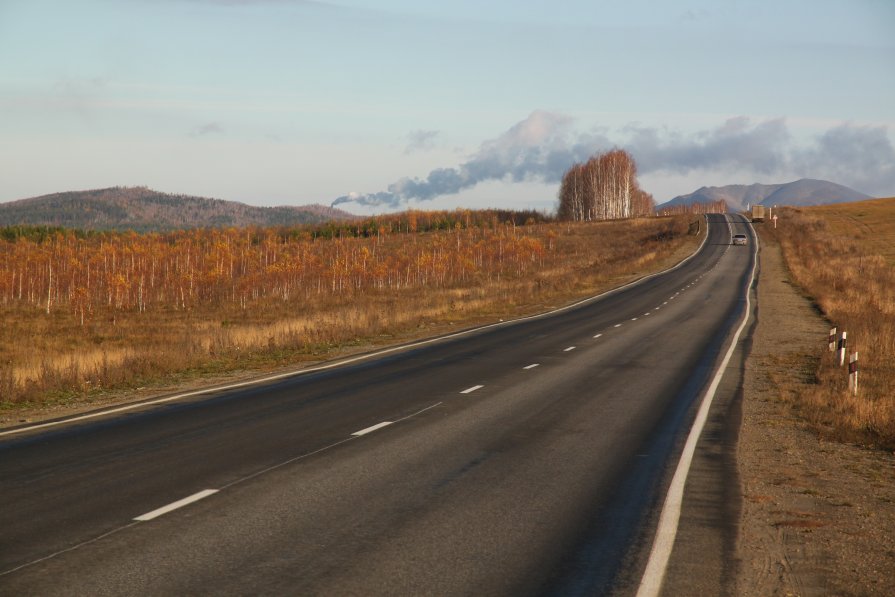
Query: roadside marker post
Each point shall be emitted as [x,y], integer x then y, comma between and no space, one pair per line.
[853,373]
[832,339]
[843,342]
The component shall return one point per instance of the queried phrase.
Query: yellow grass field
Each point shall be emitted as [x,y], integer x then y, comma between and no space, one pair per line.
[843,256]
[869,223]
[78,347]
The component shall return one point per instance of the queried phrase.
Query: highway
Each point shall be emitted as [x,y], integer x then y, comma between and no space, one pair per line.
[528,457]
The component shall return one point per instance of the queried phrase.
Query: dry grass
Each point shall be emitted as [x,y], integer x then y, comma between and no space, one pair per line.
[54,358]
[841,255]
[871,224]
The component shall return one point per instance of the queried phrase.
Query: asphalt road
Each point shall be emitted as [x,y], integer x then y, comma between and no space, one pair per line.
[526,458]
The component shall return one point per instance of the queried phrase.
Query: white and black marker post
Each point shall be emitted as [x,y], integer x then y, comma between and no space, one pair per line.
[853,373]
[832,339]
[843,341]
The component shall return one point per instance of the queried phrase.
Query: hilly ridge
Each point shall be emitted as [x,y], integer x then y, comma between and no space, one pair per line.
[145,210]
[805,191]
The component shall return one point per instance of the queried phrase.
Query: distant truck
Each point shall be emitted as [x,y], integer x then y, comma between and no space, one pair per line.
[758,213]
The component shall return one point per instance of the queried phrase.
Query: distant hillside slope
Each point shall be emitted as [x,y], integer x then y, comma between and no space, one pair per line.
[142,209]
[799,193]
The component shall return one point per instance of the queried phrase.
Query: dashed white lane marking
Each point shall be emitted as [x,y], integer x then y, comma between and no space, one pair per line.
[472,389]
[633,319]
[175,505]
[598,335]
[248,477]
[532,366]
[665,303]
[372,428]
[571,348]
[618,325]
[647,313]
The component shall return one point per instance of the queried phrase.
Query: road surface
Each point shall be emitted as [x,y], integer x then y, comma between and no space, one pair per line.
[524,458]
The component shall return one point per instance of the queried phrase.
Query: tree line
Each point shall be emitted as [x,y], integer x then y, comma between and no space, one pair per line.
[108,272]
[705,207]
[603,188]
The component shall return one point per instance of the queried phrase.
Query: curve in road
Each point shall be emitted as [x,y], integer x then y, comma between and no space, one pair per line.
[523,458]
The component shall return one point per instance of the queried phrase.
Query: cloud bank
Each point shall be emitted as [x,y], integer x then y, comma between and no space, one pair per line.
[543,146]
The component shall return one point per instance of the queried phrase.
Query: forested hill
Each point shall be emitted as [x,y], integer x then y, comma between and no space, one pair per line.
[144,210]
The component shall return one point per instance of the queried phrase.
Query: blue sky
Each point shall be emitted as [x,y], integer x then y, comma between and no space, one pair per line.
[393,104]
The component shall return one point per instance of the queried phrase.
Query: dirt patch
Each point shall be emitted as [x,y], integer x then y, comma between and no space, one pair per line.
[818,517]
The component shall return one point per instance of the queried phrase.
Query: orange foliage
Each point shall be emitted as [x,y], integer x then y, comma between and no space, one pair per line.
[711,207]
[186,269]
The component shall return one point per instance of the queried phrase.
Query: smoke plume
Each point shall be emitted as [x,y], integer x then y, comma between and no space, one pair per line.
[544,145]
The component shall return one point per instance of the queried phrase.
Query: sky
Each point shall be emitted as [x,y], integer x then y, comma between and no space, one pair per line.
[378,106]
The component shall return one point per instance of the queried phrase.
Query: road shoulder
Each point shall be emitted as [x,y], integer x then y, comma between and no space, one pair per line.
[818,517]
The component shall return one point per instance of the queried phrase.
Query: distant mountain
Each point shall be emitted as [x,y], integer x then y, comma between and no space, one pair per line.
[143,210]
[801,192]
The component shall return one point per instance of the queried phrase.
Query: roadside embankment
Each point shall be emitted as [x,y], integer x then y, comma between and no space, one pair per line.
[818,516]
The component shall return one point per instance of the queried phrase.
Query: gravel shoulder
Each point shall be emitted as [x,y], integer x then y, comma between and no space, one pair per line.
[818,517]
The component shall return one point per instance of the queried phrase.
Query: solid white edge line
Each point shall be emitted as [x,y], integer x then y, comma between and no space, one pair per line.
[532,366]
[472,389]
[175,505]
[372,428]
[363,357]
[654,574]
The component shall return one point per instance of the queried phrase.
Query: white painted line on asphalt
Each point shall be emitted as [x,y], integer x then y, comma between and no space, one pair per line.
[372,428]
[598,335]
[471,390]
[571,348]
[532,366]
[665,303]
[633,319]
[228,485]
[618,325]
[647,313]
[317,451]
[175,505]
[651,583]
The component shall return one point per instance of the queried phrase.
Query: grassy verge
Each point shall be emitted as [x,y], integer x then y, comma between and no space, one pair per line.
[53,359]
[842,255]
